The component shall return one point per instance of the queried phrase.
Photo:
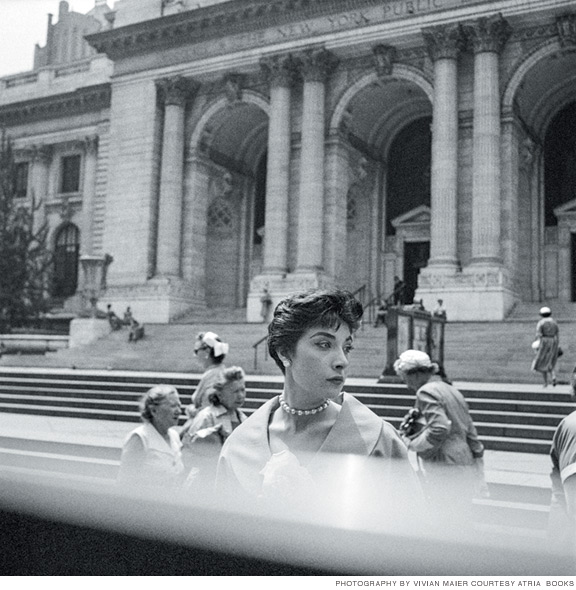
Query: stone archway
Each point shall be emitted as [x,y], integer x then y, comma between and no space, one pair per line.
[371,114]
[223,199]
[538,93]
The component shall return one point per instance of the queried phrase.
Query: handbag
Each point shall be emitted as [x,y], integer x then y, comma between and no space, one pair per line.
[560,352]
[536,345]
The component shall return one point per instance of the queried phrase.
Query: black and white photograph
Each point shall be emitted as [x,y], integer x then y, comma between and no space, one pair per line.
[288,292]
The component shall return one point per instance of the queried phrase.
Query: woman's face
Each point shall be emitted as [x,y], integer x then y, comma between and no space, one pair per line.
[414,381]
[319,365]
[166,413]
[233,394]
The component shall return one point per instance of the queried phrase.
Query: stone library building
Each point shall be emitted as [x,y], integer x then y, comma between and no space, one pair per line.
[214,149]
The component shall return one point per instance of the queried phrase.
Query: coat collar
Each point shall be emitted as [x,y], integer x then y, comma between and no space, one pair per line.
[356,431]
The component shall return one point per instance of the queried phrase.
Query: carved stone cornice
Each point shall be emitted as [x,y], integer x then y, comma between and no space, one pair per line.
[279,70]
[444,42]
[488,34]
[566,29]
[83,100]
[317,64]
[384,57]
[177,90]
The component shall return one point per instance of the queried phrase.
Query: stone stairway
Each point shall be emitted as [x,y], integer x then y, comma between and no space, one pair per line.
[474,351]
[517,418]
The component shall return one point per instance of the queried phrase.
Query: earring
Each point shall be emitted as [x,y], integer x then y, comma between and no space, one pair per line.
[286,363]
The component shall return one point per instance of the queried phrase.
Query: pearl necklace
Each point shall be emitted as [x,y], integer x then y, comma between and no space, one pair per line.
[296,412]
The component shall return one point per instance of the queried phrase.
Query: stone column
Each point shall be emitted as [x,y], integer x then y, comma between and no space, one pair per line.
[174,92]
[280,71]
[41,157]
[316,66]
[88,193]
[444,44]
[487,37]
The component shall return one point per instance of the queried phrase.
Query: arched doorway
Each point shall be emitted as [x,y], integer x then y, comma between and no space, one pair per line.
[66,253]
[380,117]
[409,189]
[233,143]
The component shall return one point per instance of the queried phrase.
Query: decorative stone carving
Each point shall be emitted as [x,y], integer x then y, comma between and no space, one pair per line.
[527,153]
[233,86]
[41,154]
[384,56]
[444,42]
[279,70]
[177,90]
[91,144]
[317,64]
[566,28]
[488,34]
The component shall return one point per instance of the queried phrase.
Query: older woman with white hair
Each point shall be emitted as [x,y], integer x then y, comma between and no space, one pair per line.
[546,346]
[446,442]
[151,455]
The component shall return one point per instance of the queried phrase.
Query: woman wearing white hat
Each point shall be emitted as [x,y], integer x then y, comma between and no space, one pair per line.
[447,445]
[546,346]
[211,352]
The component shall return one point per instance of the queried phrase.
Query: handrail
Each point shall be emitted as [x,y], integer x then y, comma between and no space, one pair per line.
[255,347]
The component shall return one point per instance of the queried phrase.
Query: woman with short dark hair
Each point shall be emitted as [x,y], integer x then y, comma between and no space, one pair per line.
[288,445]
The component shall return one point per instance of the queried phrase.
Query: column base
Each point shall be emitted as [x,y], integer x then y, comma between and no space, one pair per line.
[280,286]
[478,293]
[158,301]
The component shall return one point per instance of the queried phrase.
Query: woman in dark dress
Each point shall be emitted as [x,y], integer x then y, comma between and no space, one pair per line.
[547,348]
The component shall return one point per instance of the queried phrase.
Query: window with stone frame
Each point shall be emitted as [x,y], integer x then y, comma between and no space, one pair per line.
[70,173]
[220,217]
[20,179]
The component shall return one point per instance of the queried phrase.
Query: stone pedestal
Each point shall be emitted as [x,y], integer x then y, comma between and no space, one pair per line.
[280,287]
[158,301]
[84,331]
[476,294]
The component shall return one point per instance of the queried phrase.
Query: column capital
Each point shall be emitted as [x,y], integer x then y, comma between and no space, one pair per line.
[279,70]
[488,34]
[384,57]
[176,90]
[317,64]
[444,42]
[566,28]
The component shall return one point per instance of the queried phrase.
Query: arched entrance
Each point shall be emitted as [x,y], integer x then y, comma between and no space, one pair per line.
[387,122]
[66,253]
[541,98]
[232,141]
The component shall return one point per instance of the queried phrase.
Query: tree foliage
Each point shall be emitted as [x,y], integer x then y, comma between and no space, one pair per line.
[25,259]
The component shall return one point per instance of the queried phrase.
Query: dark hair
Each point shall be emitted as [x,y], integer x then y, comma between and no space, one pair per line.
[297,313]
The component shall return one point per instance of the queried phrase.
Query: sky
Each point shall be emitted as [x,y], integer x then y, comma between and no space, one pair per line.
[23,23]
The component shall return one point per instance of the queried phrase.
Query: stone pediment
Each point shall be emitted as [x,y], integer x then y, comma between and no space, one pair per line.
[566,209]
[418,216]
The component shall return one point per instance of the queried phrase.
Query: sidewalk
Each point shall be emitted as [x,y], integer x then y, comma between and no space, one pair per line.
[500,466]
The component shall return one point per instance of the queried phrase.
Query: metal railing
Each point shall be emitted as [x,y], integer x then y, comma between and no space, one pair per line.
[255,347]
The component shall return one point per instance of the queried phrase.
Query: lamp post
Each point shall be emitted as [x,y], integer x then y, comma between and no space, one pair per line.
[93,269]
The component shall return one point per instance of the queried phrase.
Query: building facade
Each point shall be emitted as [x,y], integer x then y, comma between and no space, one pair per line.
[215,149]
